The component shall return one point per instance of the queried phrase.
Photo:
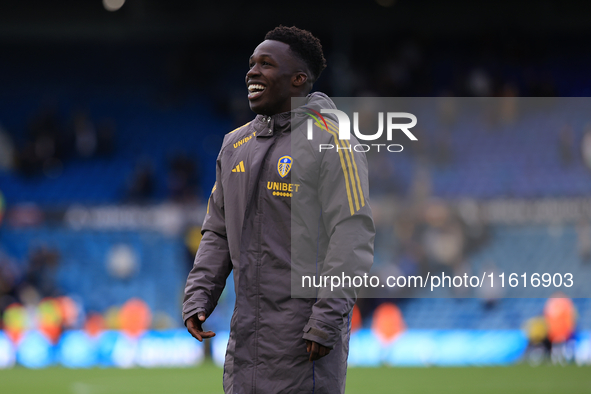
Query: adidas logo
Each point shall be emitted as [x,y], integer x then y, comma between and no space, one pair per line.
[239,167]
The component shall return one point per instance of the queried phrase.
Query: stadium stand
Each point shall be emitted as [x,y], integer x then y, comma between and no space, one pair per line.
[151,127]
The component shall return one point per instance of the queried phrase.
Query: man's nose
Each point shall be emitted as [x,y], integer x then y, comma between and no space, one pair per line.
[253,71]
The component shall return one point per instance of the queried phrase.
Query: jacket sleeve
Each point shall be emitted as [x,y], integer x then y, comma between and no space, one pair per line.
[343,193]
[212,265]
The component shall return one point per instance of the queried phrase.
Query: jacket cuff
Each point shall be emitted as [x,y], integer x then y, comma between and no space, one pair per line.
[322,333]
[193,312]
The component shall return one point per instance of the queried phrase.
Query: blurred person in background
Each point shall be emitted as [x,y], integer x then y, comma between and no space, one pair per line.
[7,151]
[443,235]
[279,343]
[584,240]
[538,344]
[42,270]
[561,319]
[45,145]
[183,179]
[490,294]
[106,137]
[142,184]
[586,147]
[85,135]
[10,276]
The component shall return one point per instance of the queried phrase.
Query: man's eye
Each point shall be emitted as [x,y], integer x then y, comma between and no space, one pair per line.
[266,64]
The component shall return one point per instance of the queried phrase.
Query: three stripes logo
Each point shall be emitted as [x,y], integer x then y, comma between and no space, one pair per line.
[239,167]
[353,187]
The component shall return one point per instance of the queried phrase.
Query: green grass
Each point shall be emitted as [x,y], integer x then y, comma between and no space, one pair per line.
[206,379]
[477,380]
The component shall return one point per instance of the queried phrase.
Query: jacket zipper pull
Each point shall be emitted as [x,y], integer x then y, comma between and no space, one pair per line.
[269,125]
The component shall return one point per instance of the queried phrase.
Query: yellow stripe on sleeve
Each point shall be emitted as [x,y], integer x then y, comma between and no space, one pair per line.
[211,196]
[354,172]
[343,166]
[346,147]
[357,176]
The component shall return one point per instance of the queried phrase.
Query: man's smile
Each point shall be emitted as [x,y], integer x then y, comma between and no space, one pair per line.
[255,90]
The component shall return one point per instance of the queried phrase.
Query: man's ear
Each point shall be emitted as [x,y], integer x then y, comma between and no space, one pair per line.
[299,79]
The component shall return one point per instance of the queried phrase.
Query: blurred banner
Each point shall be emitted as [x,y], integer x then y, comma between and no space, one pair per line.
[176,348]
[78,349]
[444,348]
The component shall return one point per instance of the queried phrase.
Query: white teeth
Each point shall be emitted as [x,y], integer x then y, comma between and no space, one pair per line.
[253,87]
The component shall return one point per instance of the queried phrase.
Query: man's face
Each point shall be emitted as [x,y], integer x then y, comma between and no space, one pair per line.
[269,79]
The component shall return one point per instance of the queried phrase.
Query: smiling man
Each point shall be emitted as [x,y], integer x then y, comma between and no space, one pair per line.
[278,343]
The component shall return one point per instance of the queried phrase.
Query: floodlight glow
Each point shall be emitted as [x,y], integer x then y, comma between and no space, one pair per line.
[113,5]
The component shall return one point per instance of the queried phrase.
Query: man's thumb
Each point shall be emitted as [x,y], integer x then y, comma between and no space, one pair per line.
[201,316]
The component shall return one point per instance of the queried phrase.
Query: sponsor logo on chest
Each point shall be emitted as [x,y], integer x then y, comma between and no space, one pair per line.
[243,141]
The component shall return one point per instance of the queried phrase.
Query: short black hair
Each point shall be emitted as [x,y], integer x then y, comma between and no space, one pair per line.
[303,44]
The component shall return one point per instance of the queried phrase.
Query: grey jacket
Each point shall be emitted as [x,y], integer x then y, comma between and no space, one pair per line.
[250,229]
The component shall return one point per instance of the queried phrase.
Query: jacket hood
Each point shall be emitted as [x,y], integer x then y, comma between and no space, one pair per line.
[315,101]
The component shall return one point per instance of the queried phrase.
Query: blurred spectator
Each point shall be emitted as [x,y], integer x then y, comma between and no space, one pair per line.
[561,318]
[85,135]
[142,184]
[9,279]
[106,137]
[71,312]
[15,321]
[356,322]
[387,323]
[29,163]
[41,271]
[183,179]
[6,150]
[192,241]
[135,317]
[112,318]
[584,240]
[490,294]
[474,223]
[50,319]
[45,145]
[566,145]
[586,147]
[443,238]
[94,324]
[538,344]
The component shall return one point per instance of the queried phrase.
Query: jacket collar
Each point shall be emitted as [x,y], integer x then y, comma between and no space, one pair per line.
[282,122]
[266,126]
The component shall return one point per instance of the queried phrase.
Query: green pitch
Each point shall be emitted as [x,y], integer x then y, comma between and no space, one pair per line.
[207,380]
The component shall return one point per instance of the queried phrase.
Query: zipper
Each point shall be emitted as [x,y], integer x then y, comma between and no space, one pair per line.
[259,213]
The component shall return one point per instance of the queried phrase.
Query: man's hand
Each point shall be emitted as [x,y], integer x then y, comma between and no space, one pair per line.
[316,350]
[194,327]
